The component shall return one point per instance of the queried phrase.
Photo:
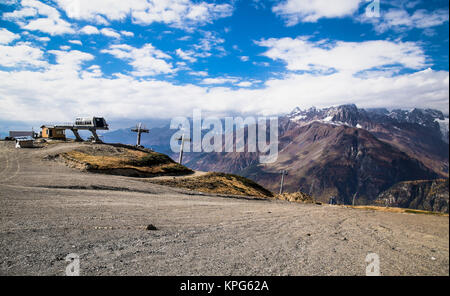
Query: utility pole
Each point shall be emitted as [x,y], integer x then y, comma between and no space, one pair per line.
[182,139]
[139,130]
[283,173]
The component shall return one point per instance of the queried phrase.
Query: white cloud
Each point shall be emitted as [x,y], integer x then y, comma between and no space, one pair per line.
[295,11]
[56,90]
[50,22]
[65,47]
[220,80]
[182,66]
[300,54]
[98,19]
[401,19]
[186,55]
[263,64]
[59,97]
[110,33]
[208,43]
[244,84]
[176,13]
[427,88]
[7,37]
[50,26]
[21,55]
[244,58]
[146,61]
[185,38]
[78,42]
[199,73]
[20,14]
[423,19]
[127,33]
[44,39]
[89,30]
[258,4]
[92,71]
[70,61]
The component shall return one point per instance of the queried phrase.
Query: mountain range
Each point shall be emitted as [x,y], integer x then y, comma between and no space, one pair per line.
[344,151]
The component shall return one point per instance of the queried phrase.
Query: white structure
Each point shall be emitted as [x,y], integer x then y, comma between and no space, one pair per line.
[24,142]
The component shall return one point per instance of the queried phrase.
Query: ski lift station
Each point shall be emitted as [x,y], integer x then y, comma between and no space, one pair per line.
[91,124]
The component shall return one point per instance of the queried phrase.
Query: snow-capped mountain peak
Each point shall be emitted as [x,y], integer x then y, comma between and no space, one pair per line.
[351,115]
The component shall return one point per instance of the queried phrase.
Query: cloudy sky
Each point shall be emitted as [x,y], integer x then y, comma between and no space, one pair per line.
[162,58]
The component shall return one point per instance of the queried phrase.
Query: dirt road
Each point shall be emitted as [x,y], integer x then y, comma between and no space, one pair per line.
[49,211]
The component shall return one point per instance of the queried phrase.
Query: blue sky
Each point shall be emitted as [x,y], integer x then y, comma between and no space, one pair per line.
[163,58]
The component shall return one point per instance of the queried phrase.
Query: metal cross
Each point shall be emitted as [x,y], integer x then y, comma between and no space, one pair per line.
[139,130]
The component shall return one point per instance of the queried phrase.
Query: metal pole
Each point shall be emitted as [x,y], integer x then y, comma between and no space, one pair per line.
[180,160]
[283,173]
[282,181]
[138,143]
[353,202]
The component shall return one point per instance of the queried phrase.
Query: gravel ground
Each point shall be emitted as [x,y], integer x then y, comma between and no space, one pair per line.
[49,210]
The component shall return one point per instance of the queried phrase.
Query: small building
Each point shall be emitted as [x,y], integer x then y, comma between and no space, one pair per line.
[24,142]
[16,134]
[53,132]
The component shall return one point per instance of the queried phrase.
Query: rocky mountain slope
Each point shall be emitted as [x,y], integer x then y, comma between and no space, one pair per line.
[430,195]
[422,134]
[325,160]
[344,151]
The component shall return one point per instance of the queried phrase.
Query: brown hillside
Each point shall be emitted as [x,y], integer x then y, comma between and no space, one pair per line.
[123,160]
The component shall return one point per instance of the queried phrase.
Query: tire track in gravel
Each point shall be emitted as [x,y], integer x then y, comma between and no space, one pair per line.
[13,167]
[4,162]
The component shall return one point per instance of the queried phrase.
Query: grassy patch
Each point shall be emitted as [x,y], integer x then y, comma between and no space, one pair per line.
[219,183]
[151,159]
[396,210]
[411,211]
[124,161]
